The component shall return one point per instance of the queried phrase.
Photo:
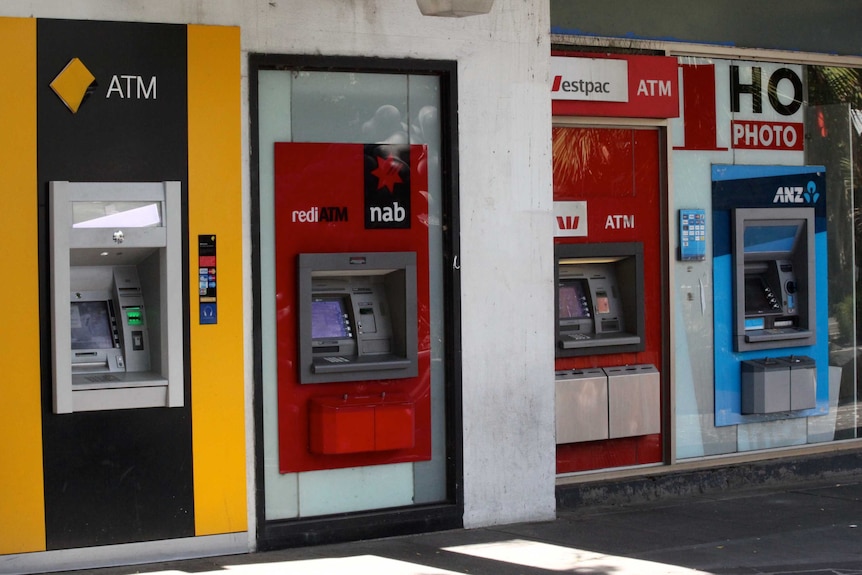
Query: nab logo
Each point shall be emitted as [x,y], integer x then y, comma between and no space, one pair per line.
[796,194]
[387,186]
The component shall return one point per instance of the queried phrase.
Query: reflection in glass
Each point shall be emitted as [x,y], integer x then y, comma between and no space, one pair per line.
[116,214]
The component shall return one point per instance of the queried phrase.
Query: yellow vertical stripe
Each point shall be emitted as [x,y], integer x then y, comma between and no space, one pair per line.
[215,207]
[22,501]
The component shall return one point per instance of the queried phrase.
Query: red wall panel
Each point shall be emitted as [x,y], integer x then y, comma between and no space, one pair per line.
[320,207]
[617,171]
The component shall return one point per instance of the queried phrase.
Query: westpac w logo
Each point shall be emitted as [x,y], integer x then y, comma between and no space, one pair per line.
[570,219]
[568,222]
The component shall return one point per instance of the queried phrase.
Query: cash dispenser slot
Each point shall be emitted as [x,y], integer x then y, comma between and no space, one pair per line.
[599,298]
[357,316]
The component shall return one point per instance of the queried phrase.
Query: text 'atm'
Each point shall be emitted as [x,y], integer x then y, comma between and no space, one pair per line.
[357,316]
[116,295]
[774,277]
[599,298]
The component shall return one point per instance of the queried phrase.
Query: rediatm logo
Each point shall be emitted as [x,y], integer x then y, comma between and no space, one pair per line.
[797,194]
[318,214]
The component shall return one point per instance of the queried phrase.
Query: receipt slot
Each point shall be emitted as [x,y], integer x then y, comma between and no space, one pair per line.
[599,298]
[116,295]
[357,316]
[774,291]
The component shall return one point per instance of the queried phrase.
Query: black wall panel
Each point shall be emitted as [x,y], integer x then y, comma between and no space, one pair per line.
[123,475]
[828,26]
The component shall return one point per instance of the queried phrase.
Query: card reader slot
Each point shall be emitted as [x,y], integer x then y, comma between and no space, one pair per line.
[324,365]
[776,334]
[90,365]
[574,341]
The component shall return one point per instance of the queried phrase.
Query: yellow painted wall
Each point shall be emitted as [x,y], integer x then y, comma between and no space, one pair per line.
[22,502]
[215,207]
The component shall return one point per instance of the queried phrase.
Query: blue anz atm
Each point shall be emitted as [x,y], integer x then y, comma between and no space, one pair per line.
[770,292]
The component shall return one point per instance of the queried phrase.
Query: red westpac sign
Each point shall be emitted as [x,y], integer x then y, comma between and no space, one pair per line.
[652,86]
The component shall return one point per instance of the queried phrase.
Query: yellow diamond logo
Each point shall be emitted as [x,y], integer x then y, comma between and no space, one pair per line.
[72,83]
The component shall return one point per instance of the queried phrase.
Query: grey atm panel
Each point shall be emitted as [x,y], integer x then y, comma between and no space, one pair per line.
[774,278]
[599,298]
[116,295]
[357,316]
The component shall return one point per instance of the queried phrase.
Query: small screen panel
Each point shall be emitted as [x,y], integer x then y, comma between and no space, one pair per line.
[573,298]
[91,325]
[770,239]
[329,319]
[603,302]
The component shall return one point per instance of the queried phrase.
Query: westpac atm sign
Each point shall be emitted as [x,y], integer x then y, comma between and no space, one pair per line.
[614,85]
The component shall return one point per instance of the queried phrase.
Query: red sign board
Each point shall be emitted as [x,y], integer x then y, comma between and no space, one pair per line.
[652,87]
[330,198]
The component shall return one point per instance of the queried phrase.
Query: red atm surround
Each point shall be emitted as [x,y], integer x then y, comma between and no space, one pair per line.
[617,172]
[323,192]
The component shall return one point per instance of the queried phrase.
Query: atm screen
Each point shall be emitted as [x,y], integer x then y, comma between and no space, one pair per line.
[755,295]
[329,319]
[766,239]
[572,295]
[91,325]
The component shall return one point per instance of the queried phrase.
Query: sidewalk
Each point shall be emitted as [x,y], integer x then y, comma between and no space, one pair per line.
[803,528]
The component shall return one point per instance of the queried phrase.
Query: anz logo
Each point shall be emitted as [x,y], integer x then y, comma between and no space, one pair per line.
[797,194]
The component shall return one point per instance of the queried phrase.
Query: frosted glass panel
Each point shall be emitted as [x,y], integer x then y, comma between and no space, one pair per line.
[115,214]
[349,108]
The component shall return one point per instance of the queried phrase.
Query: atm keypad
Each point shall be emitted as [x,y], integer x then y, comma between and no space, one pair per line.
[336,359]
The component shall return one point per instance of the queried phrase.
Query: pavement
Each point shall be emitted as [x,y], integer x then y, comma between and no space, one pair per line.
[814,527]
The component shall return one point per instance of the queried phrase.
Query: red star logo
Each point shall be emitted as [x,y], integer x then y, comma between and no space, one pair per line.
[387,173]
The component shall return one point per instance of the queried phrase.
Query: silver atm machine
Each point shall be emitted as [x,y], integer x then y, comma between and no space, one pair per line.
[774,278]
[116,295]
[357,316]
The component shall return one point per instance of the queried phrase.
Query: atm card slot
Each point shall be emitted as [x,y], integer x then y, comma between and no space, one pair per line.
[89,365]
[776,334]
[578,340]
[340,364]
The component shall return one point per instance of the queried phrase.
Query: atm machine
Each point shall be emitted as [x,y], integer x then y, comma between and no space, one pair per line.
[116,295]
[600,311]
[357,316]
[774,277]
[599,298]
